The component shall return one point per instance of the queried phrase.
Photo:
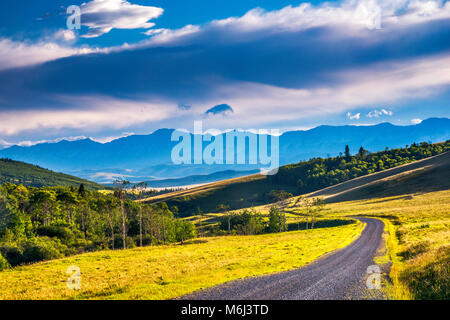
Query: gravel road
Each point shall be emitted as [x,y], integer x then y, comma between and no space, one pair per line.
[339,275]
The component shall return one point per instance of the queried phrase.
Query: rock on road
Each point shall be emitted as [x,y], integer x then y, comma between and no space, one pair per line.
[336,276]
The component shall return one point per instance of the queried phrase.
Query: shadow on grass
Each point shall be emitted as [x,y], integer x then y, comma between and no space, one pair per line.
[320,224]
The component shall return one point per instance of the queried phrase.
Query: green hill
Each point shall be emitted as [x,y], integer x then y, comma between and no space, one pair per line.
[30,175]
[300,178]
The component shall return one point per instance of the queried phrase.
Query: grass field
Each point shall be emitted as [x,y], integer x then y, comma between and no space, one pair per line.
[169,271]
[418,240]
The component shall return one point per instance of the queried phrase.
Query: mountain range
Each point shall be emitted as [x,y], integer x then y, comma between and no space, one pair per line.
[148,157]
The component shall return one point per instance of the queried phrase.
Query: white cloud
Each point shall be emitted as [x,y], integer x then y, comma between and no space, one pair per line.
[28,143]
[99,113]
[4,144]
[346,16]
[353,117]
[416,121]
[18,54]
[377,113]
[111,138]
[266,104]
[65,35]
[101,16]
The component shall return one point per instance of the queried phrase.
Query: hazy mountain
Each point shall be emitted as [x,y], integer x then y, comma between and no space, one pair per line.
[148,157]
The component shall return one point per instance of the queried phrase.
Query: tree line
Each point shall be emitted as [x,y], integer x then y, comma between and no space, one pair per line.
[51,222]
[318,173]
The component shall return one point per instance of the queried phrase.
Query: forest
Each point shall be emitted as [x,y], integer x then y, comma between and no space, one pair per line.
[318,173]
[52,222]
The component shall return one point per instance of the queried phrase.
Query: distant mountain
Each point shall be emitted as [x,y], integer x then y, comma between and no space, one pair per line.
[199,179]
[148,157]
[30,175]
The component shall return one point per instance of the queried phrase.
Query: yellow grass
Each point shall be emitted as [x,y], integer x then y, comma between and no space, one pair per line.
[169,271]
[418,229]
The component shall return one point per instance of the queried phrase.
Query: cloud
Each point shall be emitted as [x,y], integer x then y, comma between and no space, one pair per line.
[184,107]
[222,109]
[4,144]
[28,143]
[377,113]
[101,16]
[353,117]
[333,60]
[416,121]
[98,113]
[18,54]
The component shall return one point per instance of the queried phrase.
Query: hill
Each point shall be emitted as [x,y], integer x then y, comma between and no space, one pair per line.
[148,157]
[199,179]
[310,176]
[428,175]
[30,175]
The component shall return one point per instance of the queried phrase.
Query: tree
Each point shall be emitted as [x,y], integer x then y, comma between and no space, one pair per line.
[140,187]
[276,219]
[347,153]
[313,208]
[43,201]
[82,191]
[184,230]
[224,208]
[120,193]
[106,207]
[165,212]
[362,153]
[200,213]
[69,201]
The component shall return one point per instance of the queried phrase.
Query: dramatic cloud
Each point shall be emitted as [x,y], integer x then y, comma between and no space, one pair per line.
[272,67]
[18,54]
[222,109]
[101,16]
[99,113]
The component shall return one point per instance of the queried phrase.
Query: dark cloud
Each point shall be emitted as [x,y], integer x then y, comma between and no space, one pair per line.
[223,109]
[213,58]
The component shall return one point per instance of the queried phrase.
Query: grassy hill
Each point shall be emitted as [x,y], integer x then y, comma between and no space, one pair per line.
[165,272]
[30,175]
[417,237]
[305,177]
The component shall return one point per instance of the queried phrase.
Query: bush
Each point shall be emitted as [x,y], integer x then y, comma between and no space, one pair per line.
[3,263]
[12,253]
[63,233]
[118,242]
[42,248]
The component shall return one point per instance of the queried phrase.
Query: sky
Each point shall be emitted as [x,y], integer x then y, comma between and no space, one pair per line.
[136,66]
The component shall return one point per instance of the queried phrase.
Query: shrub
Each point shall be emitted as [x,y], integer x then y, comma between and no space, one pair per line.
[118,242]
[3,263]
[12,253]
[42,248]
[63,233]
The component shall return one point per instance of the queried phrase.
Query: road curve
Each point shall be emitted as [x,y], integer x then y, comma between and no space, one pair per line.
[337,276]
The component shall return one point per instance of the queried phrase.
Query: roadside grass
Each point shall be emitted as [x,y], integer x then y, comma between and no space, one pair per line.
[418,244]
[167,272]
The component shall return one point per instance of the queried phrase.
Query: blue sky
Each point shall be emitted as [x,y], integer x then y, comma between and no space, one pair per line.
[136,66]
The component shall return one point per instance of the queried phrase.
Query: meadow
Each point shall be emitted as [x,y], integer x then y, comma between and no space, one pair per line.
[417,240]
[166,272]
